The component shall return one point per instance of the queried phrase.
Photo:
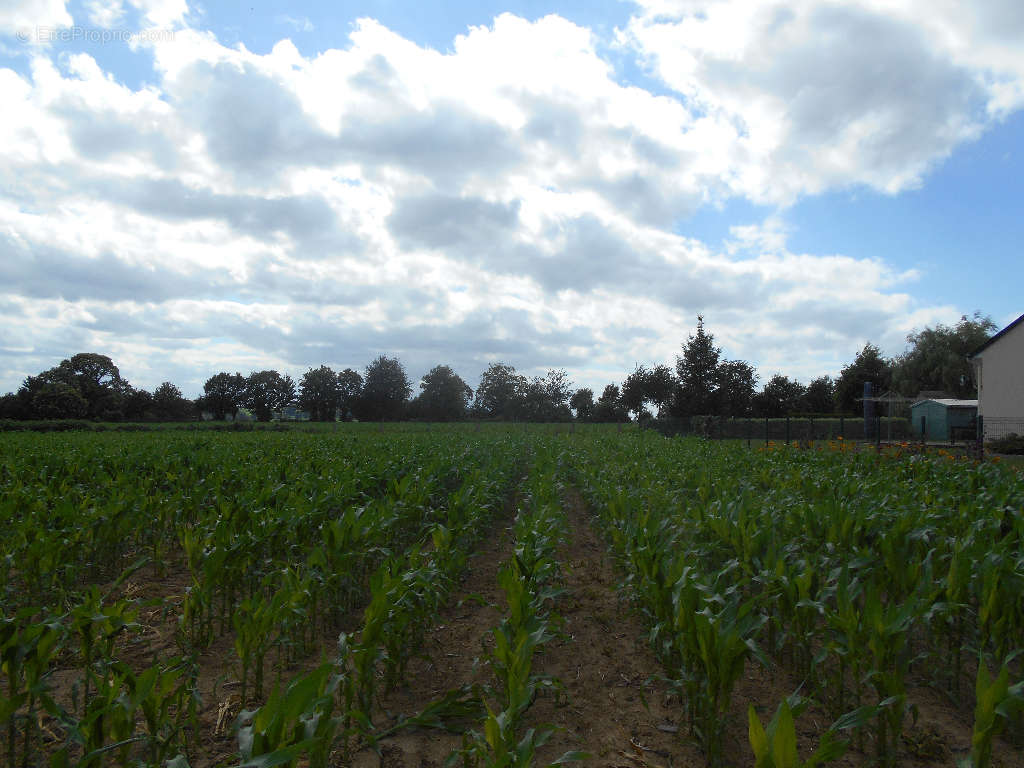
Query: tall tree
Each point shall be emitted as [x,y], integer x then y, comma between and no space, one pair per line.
[781,396]
[937,358]
[268,391]
[697,369]
[319,393]
[546,398]
[821,395]
[223,394]
[386,389]
[443,396]
[609,405]
[500,393]
[736,381]
[869,365]
[95,378]
[170,405]
[350,387]
[582,402]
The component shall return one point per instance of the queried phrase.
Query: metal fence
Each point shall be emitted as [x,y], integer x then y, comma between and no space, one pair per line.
[881,428]
[995,427]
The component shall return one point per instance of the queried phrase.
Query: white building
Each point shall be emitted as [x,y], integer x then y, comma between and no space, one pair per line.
[999,373]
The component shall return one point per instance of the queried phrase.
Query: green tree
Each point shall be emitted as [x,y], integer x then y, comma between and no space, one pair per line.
[320,393]
[443,396]
[386,390]
[546,398]
[93,376]
[224,393]
[697,369]
[350,387]
[58,400]
[937,358]
[609,405]
[170,405]
[869,365]
[736,381]
[781,396]
[582,402]
[268,391]
[500,393]
[821,395]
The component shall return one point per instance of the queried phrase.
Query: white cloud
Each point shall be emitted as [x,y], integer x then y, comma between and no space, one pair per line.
[506,200]
[818,95]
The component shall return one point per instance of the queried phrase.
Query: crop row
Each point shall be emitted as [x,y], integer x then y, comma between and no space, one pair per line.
[385,526]
[851,571]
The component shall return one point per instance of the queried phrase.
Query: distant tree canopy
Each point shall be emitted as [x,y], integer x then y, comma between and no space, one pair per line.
[499,393]
[869,365]
[266,392]
[443,396]
[320,393]
[937,358]
[223,395]
[386,389]
[350,386]
[702,383]
[582,402]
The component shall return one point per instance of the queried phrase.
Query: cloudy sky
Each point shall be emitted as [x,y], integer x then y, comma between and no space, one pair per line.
[196,187]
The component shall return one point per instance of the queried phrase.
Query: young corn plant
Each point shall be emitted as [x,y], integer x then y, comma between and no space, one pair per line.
[998,703]
[775,746]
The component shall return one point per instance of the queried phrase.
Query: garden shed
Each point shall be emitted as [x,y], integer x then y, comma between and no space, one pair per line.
[944,419]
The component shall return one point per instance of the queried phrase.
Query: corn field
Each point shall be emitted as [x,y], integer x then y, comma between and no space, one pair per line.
[260,599]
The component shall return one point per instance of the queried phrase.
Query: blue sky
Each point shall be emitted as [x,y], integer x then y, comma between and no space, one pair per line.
[552,185]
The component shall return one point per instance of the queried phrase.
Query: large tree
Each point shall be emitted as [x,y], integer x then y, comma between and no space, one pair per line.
[223,394]
[869,365]
[350,387]
[582,402]
[546,398]
[268,391]
[647,386]
[821,395]
[443,396]
[781,396]
[736,381]
[937,358]
[319,393]
[170,405]
[609,405]
[697,369]
[500,393]
[94,377]
[386,390]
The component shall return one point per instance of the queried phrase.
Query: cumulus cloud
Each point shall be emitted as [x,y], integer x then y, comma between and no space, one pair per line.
[508,199]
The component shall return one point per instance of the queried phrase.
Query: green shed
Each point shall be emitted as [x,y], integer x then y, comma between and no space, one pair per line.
[944,419]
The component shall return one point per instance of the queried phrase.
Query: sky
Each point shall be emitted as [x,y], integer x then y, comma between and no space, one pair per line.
[200,187]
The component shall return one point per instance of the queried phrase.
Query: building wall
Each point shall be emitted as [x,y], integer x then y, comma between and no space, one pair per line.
[1001,385]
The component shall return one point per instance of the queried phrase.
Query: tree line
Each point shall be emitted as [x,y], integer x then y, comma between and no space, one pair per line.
[702,382]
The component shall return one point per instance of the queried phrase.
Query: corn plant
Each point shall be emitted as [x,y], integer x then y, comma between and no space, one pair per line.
[775,746]
[998,702]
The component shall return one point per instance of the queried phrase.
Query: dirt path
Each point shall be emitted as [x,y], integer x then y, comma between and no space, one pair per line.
[452,657]
[612,710]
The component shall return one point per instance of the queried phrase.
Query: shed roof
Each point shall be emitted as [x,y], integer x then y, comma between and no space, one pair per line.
[949,402]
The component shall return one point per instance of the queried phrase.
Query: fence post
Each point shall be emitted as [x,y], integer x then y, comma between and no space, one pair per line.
[878,433]
[810,428]
[787,430]
[842,426]
[924,430]
[766,430]
[748,432]
[981,437]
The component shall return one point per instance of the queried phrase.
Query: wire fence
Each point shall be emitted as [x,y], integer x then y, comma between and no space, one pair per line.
[996,427]
[881,428]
